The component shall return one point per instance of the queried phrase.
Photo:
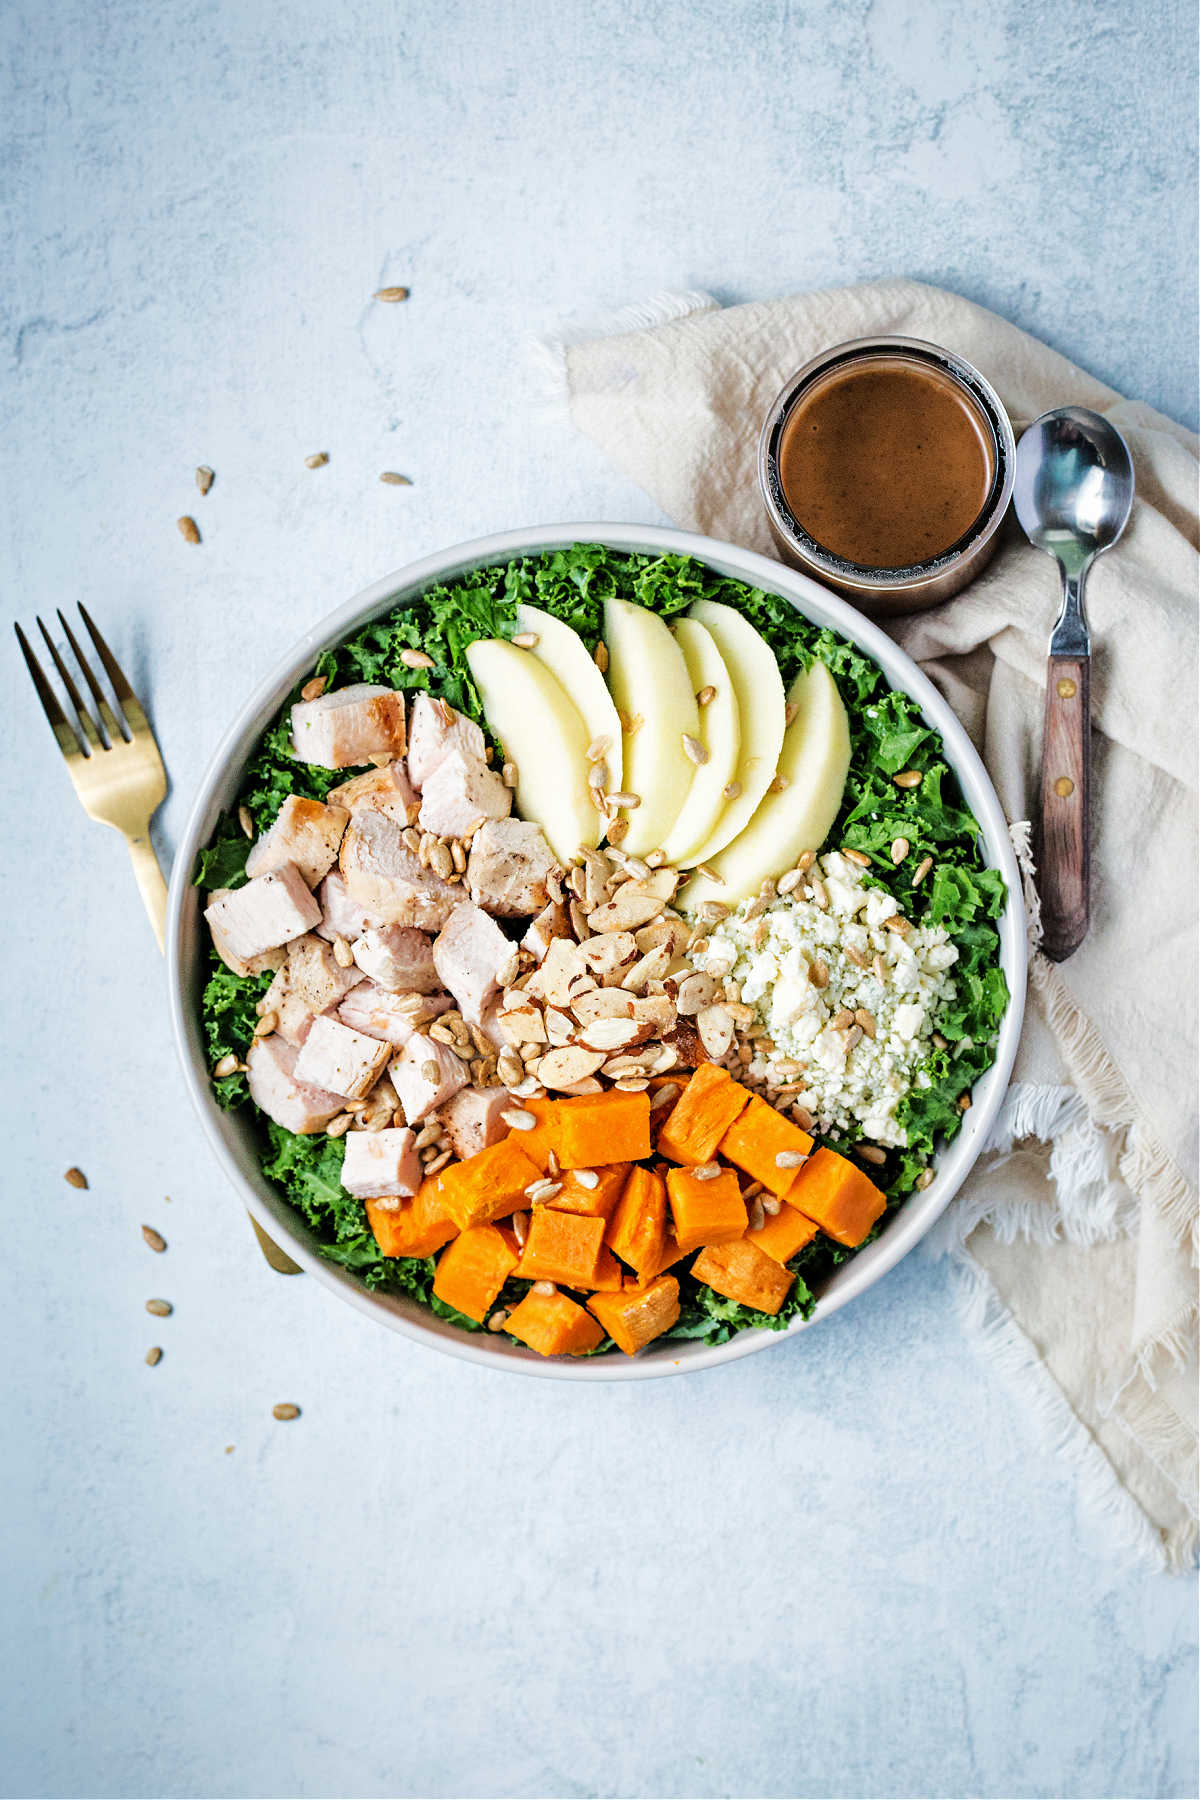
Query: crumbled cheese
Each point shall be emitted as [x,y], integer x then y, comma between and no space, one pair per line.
[769,958]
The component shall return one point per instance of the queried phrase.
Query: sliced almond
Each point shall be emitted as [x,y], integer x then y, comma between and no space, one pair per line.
[626,910]
[560,1026]
[695,992]
[558,1069]
[603,1003]
[657,1011]
[607,954]
[612,1034]
[651,967]
[716,1030]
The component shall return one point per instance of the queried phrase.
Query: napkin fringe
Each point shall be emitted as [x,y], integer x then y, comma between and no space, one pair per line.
[985,1317]
[1092,1204]
[548,354]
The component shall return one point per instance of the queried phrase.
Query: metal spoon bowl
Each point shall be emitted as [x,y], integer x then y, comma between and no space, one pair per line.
[1072,491]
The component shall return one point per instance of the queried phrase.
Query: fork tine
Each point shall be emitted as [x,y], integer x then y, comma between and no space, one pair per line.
[84,719]
[105,710]
[131,706]
[68,743]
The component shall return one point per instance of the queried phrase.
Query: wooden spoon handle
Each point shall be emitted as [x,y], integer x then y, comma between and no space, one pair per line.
[1064,848]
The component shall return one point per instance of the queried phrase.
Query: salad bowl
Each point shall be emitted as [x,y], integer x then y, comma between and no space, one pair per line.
[232,1133]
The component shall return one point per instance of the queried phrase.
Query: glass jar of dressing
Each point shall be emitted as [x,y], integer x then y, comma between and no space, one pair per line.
[886,467]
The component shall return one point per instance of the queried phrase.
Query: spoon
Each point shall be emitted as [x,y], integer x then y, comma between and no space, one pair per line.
[1072,492]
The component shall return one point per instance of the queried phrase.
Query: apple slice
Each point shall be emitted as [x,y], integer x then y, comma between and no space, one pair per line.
[813,762]
[649,682]
[759,690]
[565,654]
[543,733]
[720,733]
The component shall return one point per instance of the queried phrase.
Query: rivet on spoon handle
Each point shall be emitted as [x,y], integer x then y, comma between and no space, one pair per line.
[1064,854]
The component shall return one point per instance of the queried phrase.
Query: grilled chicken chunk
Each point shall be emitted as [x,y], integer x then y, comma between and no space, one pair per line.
[304,832]
[378,1164]
[425,1075]
[382,873]
[341,1060]
[396,957]
[435,730]
[315,976]
[392,1017]
[507,868]
[461,794]
[349,726]
[473,1119]
[269,911]
[274,1085]
[469,954]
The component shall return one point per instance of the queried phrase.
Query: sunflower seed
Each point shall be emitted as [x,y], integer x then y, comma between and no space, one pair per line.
[597,775]
[866,1020]
[204,478]
[343,955]
[626,801]
[908,778]
[587,1178]
[921,871]
[790,1159]
[731,790]
[853,1037]
[189,529]
[338,1127]
[509,775]
[771,1206]
[525,640]
[78,1179]
[707,1171]
[844,1020]
[694,750]
[391,294]
[790,712]
[789,880]
[600,658]
[938,1041]
[666,1095]
[924,1178]
[871,1153]
[964,1103]
[392,479]
[706,696]
[856,956]
[899,925]
[900,848]
[228,1065]
[803,1118]
[154,1356]
[498,1320]
[857,858]
[416,659]
[779,784]
[161,1309]
[318,461]
[285,1411]
[820,893]
[155,1239]
[818,972]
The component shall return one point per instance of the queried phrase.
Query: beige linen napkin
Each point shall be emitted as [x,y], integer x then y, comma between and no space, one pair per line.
[1075,1238]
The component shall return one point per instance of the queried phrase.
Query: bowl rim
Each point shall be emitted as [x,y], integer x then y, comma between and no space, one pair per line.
[230,1142]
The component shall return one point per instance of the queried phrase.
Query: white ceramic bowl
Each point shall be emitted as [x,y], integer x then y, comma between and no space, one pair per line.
[231,1134]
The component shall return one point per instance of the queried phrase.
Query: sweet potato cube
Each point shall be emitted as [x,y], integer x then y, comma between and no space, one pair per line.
[596,1202]
[844,1203]
[706,1212]
[538,1143]
[489,1185]
[670,1255]
[609,1276]
[781,1235]
[594,1129]
[702,1115]
[743,1272]
[637,1226]
[758,1138]
[472,1270]
[637,1315]
[553,1325]
[418,1228]
[561,1247]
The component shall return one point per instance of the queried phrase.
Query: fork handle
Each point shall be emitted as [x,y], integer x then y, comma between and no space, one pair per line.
[151,885]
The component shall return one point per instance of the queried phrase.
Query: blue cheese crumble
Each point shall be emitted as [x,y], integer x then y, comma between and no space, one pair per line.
[845,992]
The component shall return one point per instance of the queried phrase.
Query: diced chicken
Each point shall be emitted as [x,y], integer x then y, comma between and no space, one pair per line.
[425,1075]
[252,965]
[469,953]
[293,1016]
[489,1023]
[341,1060]
[388,787]
[460,795]
[382,873]
[304,832]
[554,921]
[341,914]
[269,911]
[473,1119]
[379,1164]
[399,958]
[349,726]
[507,868]
[392,1017]
[274,1085]
[314,975]
[434,730]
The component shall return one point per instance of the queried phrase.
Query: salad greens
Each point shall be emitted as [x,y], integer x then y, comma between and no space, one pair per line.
[888,735]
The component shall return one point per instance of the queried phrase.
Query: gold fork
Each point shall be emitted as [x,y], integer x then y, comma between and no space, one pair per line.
[119,776]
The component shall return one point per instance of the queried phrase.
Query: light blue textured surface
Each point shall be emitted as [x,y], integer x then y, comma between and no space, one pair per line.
[846,1567]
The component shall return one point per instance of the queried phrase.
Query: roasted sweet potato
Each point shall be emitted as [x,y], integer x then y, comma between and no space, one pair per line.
[561,1247]
[553,1325]
[702,1115]
[844,1203]
[608,1277]
[705,1212]
[758,1138]
[783,1234]
[637,1227]
[671,1254]
[637,1315]
[538,1143]
[489,1185]
[595,1202]
[418,1228]
[472,1270]
[594,1129]
[743,1272]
